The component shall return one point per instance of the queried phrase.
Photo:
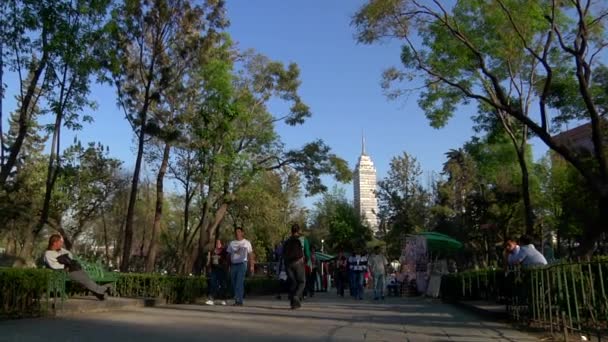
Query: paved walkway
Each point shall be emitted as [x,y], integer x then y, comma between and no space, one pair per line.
[323,318]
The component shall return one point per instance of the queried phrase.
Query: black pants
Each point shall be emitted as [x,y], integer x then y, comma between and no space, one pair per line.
[341,281]
[297,281]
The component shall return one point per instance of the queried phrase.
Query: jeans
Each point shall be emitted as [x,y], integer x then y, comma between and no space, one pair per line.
[358,282]
[379,283]
[83,279]
[237,275]
[297,281]
[217,283]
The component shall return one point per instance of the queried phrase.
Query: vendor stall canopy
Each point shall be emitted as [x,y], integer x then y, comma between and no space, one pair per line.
[323,257]
[437,242]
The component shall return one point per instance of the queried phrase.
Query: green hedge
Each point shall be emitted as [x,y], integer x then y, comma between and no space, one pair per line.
[260,286]
[171,289]
[23,292]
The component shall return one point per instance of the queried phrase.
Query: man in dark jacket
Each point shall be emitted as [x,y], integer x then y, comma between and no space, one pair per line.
[293,256]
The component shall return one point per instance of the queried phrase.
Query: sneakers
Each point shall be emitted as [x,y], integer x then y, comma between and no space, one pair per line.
[100,296]
[237,304]
[223,302]
[209,302]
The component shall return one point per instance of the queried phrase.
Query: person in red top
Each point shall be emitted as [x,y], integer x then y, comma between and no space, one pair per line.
[218,280]
[341,273]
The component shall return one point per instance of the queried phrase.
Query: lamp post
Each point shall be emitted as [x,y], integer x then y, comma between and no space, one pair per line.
[321,263]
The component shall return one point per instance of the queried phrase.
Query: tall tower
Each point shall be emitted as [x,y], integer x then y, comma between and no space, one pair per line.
[364,180]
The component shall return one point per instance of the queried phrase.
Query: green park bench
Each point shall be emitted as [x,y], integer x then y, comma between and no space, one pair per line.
[96,271]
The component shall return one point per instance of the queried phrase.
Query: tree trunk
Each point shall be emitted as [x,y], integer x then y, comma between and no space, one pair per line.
[27,250]
[593,232]
[105,238]
[128,238]
[24,118]
[520,148]
[525,188]
[152,249]
[51,177]
[205,242]
[1,97]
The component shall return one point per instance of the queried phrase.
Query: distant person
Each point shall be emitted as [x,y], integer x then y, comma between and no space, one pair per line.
[377,266]
[281,272]
[218,280]
[341,273]
[528,255]
[307,262]
[311,276]
[241,256]
[58,258]
[358,266]
[293,254]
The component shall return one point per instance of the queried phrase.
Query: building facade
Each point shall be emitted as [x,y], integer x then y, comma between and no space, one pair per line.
[364,180]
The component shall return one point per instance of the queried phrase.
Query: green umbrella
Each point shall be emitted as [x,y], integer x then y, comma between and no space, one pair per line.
[323,257]
[437,242]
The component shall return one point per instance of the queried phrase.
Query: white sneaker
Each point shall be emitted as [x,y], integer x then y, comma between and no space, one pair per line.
[223,302]
[209,302]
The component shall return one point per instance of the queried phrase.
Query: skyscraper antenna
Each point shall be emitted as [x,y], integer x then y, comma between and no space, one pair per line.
[363,143]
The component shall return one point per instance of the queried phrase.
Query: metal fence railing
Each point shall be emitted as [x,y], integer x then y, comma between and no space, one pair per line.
[562,298]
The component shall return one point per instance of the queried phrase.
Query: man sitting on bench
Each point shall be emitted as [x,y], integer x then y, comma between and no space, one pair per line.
[58,258]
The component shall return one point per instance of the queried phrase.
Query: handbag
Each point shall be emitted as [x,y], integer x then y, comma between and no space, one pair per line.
[70,264]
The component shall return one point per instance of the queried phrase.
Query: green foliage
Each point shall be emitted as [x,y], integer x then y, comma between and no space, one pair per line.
[262,286]
[403,201]
[336,220]
[532,63]
[23,292]
[171,289]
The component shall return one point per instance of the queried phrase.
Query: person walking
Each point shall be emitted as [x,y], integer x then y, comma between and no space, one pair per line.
[359,270]
[293,255]
[307,263]
[241,256]
[218,279]
[341,273]
[377,265]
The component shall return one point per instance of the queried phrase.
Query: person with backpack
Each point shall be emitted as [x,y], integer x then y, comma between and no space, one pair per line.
[293,256]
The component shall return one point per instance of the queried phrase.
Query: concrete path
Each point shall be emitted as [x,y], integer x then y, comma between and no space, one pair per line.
[323,318]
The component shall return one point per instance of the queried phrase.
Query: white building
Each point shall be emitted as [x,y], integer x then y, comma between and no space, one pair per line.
[364,180]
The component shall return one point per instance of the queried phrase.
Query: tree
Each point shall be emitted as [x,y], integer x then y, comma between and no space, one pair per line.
[26,27]
[154,40]
[517,133]
[403,201]
[87,180]
[70,67]
[509,55]
[336,220]
[21,199]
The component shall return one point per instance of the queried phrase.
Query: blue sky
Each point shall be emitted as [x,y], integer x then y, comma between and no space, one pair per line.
[340,82]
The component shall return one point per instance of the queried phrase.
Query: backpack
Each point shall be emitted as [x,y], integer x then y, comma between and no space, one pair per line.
[292,249]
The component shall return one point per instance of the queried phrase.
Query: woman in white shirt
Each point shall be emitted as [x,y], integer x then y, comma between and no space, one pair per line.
[241,255]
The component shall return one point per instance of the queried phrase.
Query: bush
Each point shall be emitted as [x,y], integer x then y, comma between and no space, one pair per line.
[172,289]
[259,286]
[23,292]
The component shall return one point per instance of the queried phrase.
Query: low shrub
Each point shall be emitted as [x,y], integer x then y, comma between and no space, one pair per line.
[23,292]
